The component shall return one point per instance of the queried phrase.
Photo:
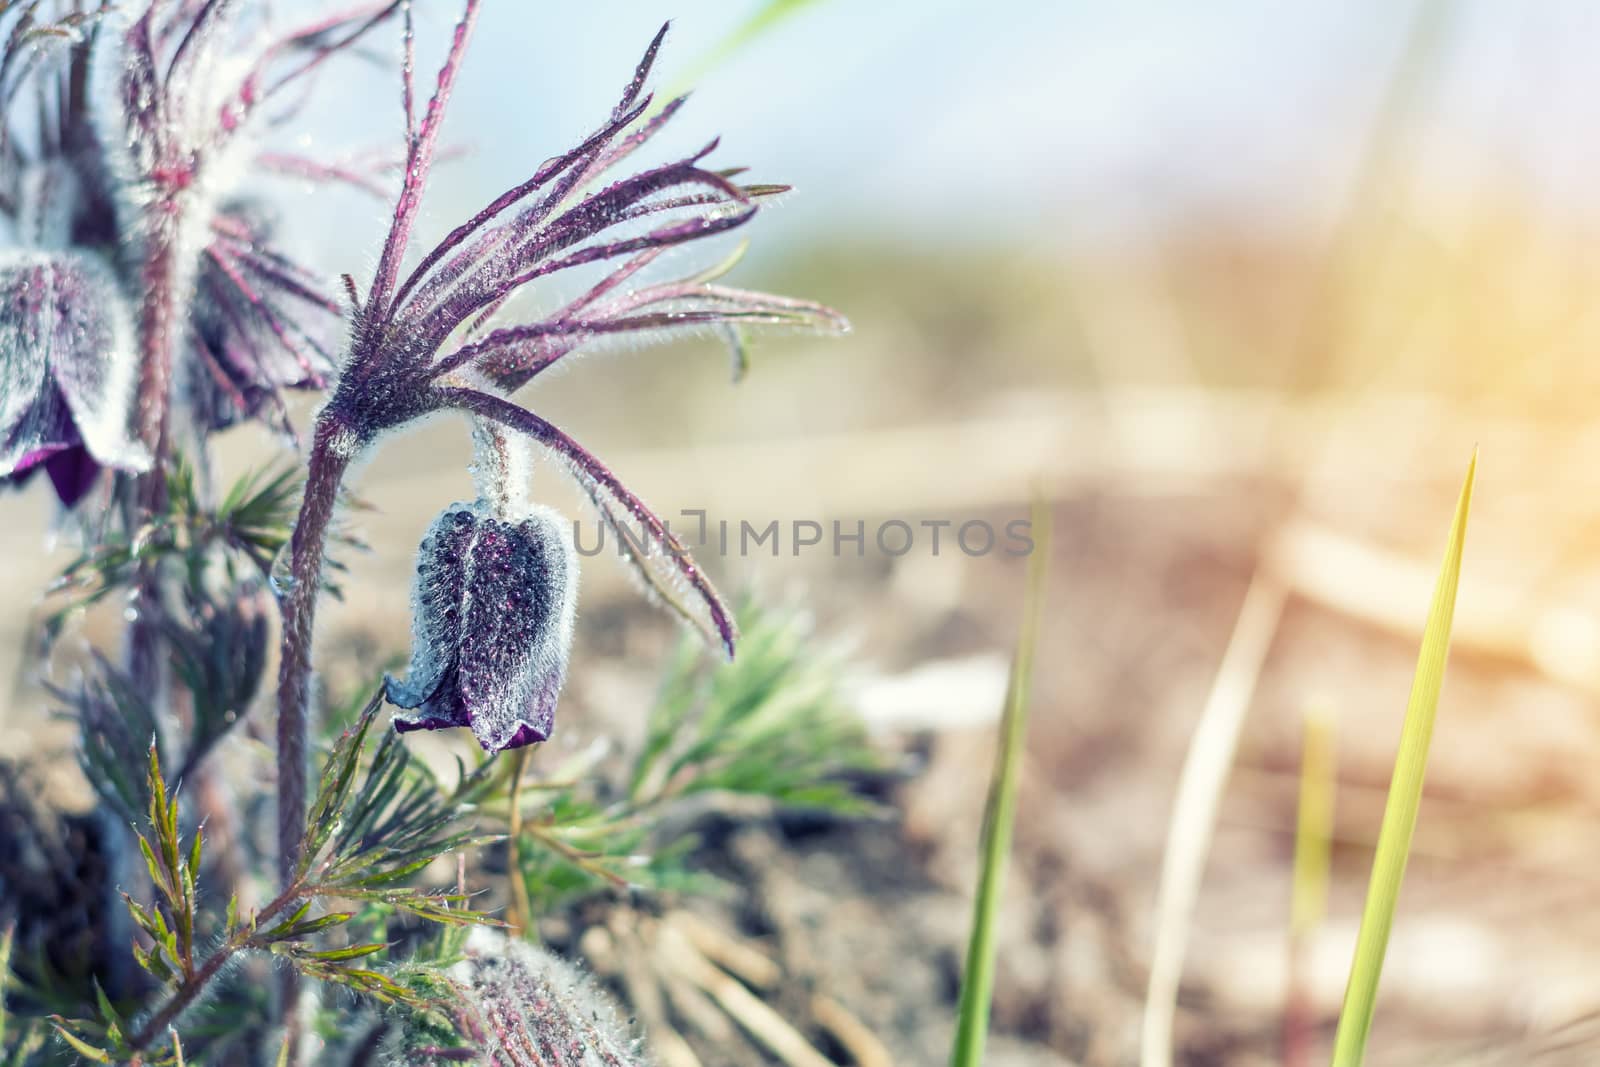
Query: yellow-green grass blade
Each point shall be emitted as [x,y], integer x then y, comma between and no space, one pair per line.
[1312,847]
[1405,797]
[1314,824]
[977,984]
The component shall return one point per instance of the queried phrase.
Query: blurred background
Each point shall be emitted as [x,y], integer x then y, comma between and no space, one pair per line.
[1237,288]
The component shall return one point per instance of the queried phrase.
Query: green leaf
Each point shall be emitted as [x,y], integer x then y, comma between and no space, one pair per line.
[298,926]
[194,860]
[108,1013]
[338,776]
[977,985]
[80,1046]
[1405,798]
[335,955]
[152,864]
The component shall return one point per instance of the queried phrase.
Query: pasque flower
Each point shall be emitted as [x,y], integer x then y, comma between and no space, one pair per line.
[492,609]
[493,621]
[125,162]
[424,339]
[496,579]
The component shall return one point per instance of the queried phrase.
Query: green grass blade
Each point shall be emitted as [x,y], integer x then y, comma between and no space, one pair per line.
[1314,822]
[1405,797]
[977,985]
[1313,847]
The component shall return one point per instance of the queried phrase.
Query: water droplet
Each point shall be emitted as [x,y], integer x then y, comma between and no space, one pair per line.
[281,577]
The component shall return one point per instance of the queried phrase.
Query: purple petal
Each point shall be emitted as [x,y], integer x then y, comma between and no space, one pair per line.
[73,472]
[437,595]
[493,607]
[64,312]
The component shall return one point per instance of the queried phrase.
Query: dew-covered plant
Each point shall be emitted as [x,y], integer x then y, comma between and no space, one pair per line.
[146,306]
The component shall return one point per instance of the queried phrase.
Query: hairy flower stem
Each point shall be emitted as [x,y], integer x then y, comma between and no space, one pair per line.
[331,452]
[157,309]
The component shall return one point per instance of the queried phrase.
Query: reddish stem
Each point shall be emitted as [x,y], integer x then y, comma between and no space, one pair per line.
[159,277]
[331,451]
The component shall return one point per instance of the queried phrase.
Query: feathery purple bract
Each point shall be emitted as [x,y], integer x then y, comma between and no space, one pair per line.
[492,622]
[260,325]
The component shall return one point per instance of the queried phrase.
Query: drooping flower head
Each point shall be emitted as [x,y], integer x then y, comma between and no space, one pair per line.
[425,339]
[492,618]
[493,603]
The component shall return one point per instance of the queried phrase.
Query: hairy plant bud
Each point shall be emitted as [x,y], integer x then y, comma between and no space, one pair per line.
[492,619]
[523,1006]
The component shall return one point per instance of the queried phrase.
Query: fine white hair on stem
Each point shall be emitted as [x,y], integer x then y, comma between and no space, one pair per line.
[502,463]
[1194,808]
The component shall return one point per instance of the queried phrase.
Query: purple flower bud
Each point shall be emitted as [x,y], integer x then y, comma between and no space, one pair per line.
[492,622]
[67,371]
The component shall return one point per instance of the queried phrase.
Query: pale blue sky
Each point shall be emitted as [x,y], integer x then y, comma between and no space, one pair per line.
[1043,122]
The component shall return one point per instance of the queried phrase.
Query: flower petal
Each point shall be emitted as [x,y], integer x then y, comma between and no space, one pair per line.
[493,608]
[436,599]
[72,472]
[63,312]
[23,349]
[513,651]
